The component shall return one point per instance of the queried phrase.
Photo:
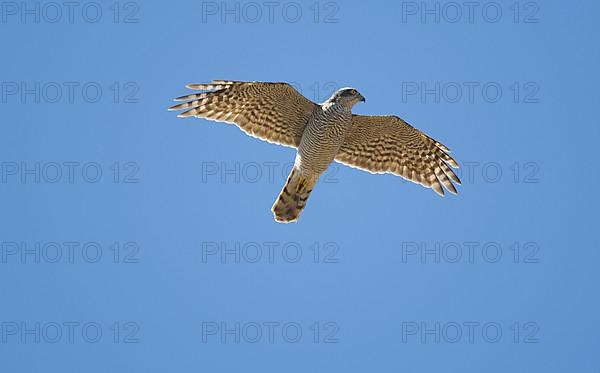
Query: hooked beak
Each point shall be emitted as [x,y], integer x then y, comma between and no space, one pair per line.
[362,98]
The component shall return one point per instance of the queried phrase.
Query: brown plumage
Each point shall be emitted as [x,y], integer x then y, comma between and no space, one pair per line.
[387,144]
[277,113]
[293,196]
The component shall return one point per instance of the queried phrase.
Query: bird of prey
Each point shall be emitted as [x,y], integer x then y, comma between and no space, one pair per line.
[322,133]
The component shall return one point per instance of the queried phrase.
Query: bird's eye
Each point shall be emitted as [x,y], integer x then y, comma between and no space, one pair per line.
[353,91]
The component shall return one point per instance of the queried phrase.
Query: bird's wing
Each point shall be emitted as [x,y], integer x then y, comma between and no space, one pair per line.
[387,144]
[274,112]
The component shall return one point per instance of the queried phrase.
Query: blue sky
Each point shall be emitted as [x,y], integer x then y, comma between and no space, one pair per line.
[136,241]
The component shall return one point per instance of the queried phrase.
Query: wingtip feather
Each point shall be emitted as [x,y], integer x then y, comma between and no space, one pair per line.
[437,187]
[187,114]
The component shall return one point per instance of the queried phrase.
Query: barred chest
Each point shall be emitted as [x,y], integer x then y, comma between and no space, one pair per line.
[323,137]
[330,123]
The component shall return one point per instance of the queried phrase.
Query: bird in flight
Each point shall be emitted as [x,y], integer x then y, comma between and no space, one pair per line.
[322,133]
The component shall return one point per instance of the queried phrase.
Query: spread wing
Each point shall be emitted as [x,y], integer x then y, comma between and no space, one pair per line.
[387,144]
[274,112]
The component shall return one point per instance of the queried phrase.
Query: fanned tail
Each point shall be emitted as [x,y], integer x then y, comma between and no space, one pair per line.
[293,197]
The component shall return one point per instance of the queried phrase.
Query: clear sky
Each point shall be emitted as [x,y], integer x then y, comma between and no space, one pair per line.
[136,241]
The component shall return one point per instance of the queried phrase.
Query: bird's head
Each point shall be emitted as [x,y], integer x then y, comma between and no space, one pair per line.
[347,97]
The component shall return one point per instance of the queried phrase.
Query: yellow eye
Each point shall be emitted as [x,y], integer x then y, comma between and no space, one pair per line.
[353,91]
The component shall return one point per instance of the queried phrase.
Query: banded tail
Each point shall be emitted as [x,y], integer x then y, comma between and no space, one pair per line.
[293,196]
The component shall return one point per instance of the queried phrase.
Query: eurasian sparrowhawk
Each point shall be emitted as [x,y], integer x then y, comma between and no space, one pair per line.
[277,113]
